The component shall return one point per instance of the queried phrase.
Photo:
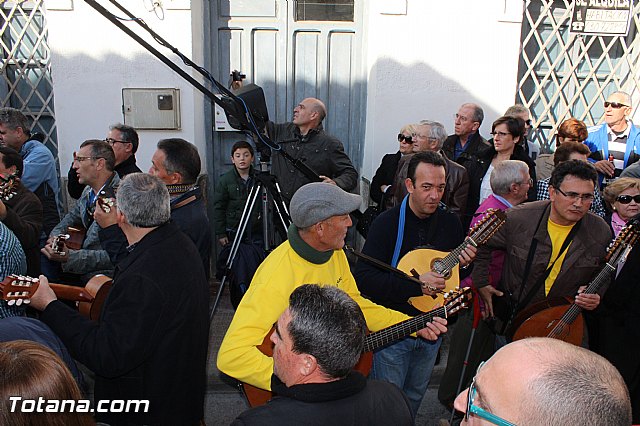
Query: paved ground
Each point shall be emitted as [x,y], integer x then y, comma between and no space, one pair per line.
[224,402]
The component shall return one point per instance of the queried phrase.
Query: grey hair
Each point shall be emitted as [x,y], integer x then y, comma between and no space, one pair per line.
[101,149]
[516,110]
[437,131]
[128,133]
[328,324]
[478,112]
[144,200]
[575,386]
[506,173]
[626,98]
[13,118]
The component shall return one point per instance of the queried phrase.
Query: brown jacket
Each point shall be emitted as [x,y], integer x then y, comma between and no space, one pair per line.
[585,255]
[455,194]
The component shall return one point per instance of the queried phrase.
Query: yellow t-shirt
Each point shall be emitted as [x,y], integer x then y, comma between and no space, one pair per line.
[557,233]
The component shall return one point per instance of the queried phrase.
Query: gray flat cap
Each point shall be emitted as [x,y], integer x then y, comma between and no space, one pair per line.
[315,202]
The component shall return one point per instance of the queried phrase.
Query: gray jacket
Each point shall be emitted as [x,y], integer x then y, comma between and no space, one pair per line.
[91,259]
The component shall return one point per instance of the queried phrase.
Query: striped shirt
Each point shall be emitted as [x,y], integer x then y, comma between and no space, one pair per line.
[12,261]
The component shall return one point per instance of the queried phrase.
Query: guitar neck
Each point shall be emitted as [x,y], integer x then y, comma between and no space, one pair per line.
[452,259]
[72,293]
[596,284]
[402,329]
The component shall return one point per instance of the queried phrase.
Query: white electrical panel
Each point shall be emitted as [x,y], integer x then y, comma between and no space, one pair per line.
[151,108]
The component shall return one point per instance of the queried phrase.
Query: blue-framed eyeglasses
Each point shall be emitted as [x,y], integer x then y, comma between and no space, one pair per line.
[480,412]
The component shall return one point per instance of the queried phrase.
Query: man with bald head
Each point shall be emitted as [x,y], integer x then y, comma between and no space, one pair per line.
[616,138]
[562,384]
[305,140]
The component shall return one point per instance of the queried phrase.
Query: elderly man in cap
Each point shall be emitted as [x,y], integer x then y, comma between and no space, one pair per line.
[312,254]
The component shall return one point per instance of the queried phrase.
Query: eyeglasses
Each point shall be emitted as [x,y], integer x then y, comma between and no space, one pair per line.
[501,134]
[463,119]
[81,159]
[112,141]
[480,412]
[528,122]
[614,105]
[587,198]
[529,182]
[405,139]
[626,199]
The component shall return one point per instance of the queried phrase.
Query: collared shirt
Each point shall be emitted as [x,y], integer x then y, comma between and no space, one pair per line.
[12,261]
[458,148]
[503,200]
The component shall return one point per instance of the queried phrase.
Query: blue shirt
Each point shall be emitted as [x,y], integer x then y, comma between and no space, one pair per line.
[39,168]
[458,148]
[12,261]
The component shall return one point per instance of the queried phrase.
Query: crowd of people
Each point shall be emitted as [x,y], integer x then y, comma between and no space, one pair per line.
[306,302]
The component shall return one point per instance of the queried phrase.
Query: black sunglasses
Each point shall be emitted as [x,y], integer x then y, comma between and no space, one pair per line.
[614,105]
[528,122]
[407,139]
[626,199]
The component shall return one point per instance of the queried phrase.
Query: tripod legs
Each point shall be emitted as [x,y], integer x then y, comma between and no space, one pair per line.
[266,186]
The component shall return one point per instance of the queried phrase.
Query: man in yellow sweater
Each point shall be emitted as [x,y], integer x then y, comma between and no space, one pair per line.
[312,255]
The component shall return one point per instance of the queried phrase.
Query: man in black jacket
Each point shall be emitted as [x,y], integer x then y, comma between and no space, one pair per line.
[305,140]
[177,163]
[466,138]
[417,222]
[318,340]
[151,342]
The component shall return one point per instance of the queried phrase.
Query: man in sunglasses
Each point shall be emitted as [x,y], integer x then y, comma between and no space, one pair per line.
[124,141]
[615,144]
[562,384]
[554,247]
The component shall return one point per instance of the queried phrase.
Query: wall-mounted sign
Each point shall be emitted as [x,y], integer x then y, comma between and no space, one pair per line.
[601,17]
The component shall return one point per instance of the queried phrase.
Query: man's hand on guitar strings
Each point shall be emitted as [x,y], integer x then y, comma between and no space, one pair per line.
[486,293]
[467,255]
[433,329]
[43,295]
[431,283]
[54,255]
[587,301]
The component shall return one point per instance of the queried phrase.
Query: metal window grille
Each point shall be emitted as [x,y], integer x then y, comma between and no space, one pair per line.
[26,66]
[561,75]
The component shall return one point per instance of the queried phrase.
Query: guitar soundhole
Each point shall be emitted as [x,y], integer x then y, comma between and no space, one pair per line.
[438,266]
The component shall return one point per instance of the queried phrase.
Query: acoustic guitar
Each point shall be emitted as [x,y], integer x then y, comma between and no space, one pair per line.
[7,186]
[74,238]
[559,317]
[18,290]
[454,301]
[418,261]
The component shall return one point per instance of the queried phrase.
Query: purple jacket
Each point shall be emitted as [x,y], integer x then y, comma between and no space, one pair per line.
[497,256]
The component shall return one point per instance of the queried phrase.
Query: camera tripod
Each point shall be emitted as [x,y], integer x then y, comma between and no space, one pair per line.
[267,187]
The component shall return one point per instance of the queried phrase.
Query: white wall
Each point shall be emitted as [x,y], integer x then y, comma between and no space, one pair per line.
[424,59]
[92,61]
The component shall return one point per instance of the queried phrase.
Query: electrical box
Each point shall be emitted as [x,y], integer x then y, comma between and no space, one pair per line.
[157,109]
